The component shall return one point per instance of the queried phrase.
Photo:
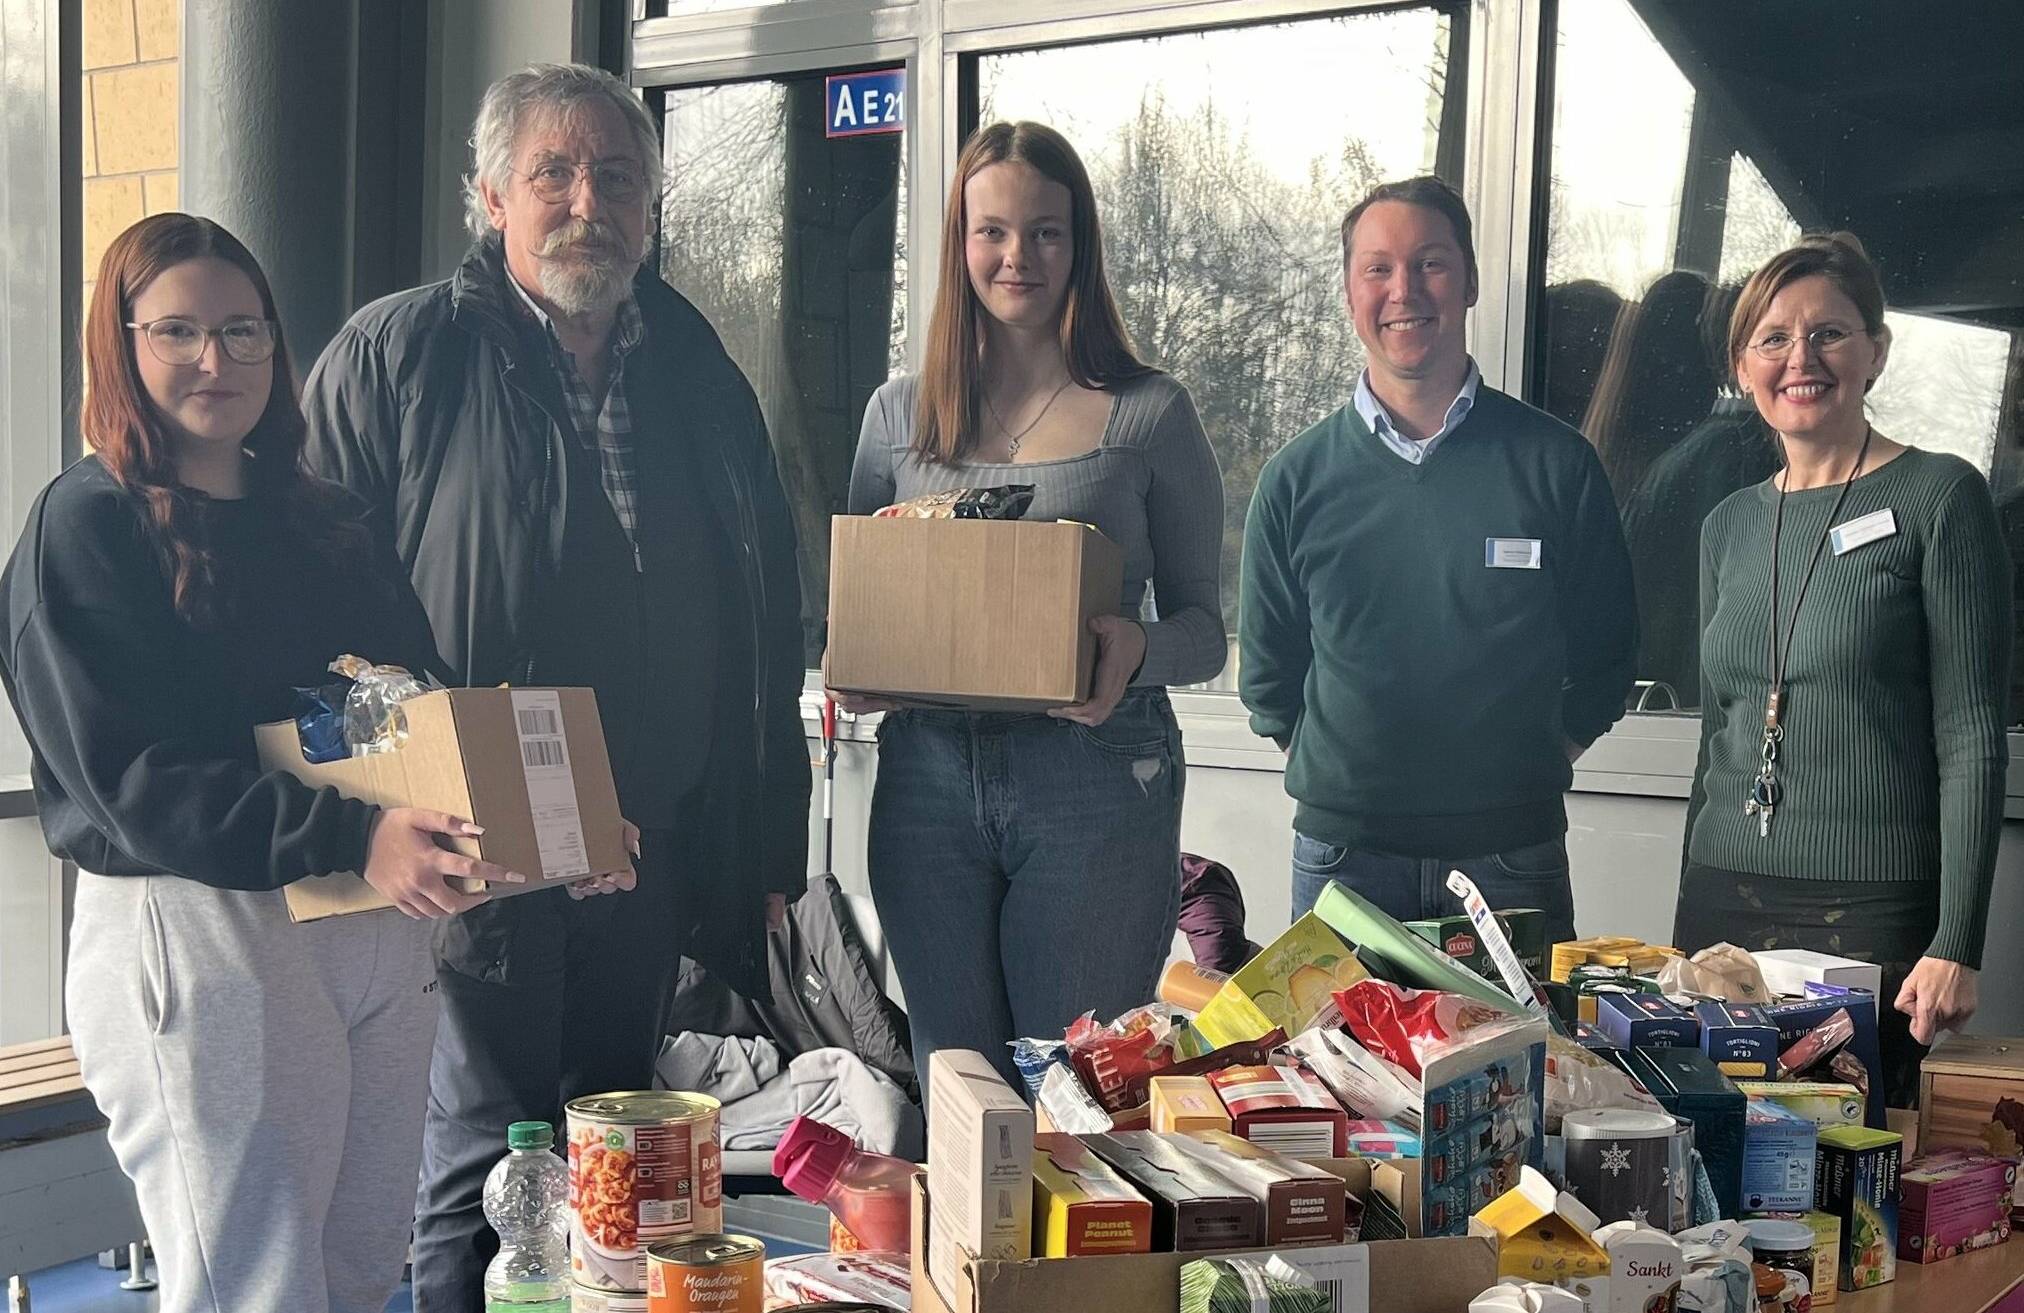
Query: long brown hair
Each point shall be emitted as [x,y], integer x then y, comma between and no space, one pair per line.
[122,423]
[1094,343]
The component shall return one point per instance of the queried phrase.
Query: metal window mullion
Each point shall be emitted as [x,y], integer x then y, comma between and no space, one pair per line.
[980,26]
[672,50]
[1500,177]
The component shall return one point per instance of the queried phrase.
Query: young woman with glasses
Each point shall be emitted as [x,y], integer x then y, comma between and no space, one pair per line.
[1855,615]
[1027,867]
[264,1080]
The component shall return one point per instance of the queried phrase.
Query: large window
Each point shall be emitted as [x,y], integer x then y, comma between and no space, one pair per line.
[1689,143]
[1223,162]
[793,243]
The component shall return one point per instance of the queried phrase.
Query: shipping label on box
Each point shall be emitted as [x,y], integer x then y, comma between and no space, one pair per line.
[981,614]
[1778,1149]
[528,765]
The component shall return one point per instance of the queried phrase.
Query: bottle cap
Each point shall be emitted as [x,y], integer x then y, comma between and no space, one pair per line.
[530,1135]
[809,1158]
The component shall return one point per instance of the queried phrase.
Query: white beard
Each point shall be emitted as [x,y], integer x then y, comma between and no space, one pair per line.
[581,287]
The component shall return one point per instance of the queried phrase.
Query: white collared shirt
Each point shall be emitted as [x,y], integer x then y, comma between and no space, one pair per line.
[1414,450]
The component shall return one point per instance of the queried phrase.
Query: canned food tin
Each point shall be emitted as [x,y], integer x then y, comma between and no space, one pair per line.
[644,1166]
[707,1274]
[582,1299]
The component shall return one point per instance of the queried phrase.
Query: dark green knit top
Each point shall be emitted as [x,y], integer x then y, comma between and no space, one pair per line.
[1427,638]
[1894,753]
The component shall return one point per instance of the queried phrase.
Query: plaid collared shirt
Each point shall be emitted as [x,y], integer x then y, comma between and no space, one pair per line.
[606,428]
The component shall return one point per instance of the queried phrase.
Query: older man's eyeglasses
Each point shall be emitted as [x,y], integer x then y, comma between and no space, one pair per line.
[554,181]
[1826,340]
[178,341]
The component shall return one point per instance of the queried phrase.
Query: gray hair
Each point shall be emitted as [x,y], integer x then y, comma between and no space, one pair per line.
[553,87]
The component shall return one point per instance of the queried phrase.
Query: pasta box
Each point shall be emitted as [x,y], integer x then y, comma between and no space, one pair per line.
[1647,1021]
[979,614]
[526,764]
[1740,1038]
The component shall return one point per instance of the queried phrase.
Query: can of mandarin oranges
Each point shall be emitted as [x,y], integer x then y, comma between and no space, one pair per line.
[707,1274]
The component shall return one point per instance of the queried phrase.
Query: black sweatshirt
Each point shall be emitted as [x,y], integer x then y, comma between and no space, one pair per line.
[142,726]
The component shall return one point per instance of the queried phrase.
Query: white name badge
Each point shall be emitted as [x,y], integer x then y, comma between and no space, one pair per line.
[1848,536]
[1511,553]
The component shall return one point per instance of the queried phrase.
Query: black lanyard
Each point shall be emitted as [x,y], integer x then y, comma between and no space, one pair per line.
[1765,791]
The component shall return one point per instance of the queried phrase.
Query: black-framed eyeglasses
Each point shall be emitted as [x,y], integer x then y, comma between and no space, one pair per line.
[1824,341]
[554,181]
[178,341]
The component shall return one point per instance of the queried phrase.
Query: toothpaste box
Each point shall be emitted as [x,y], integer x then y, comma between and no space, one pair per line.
[1646,1021]
[1778,1149]
[1824,1103]
[1856,1180]
[1954,1202]
[1740,1038]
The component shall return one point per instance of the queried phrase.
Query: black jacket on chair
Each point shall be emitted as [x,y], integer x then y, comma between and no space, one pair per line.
[441,408]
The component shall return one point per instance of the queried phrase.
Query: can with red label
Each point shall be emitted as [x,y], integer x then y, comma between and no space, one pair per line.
[644,1166]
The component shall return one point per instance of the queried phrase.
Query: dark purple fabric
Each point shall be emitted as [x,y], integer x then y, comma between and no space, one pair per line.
[1212,915]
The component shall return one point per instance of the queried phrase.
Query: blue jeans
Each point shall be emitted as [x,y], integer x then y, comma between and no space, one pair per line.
[1026,869]
[1416,888]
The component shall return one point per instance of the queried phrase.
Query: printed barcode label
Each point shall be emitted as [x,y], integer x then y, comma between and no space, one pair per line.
[1340,1272]
[551,787]
[1332,1292]
[538,721]
[543,752]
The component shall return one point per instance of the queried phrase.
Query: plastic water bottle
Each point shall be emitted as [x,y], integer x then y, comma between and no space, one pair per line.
[527,1203]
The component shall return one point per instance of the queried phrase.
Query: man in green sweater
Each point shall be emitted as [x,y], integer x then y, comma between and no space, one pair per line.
[1437,614]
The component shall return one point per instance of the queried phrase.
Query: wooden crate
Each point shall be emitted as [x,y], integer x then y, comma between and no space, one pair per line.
[1961,1082]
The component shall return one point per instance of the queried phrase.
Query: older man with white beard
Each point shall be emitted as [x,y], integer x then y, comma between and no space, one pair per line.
[579,482]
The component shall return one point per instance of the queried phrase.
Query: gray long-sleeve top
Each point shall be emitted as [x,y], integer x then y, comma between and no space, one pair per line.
[1151,486]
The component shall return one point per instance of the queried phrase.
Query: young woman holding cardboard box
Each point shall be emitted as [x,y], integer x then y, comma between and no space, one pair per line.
[1027,867]
[265,1081]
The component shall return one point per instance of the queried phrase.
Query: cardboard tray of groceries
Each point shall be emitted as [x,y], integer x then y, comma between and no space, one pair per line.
[1406,1276]
[527,764]
[980,614]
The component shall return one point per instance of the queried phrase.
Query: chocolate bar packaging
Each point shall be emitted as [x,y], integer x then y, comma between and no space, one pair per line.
[1195,1207]
[1082,1206]
[1303,1204]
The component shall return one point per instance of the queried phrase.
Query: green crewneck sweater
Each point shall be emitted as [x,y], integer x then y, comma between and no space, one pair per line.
[1894,753]
[1426,696]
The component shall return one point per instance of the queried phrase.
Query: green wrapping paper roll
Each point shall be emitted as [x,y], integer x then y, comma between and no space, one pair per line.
[1244,1285]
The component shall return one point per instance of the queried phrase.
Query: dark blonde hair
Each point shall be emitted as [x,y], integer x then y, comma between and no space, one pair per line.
[1093,339]
[1837,257]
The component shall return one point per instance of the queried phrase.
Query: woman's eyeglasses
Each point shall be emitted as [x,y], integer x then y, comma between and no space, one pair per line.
[1777,345]
[177,341]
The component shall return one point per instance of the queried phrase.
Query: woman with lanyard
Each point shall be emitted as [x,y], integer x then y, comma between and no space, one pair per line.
[1027,867]
[1855,614]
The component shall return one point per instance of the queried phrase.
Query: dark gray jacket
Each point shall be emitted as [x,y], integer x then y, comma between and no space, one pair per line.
[447,418]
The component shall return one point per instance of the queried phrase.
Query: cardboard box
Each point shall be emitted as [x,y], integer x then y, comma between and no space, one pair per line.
[1961,1083]
[527,764]
[1195,1207]
[1187,1103]
[1415,1276]
[1826,1230]
[1304,1205]
[1824,1103]
[1954,1202]
[1787,971]
[980,1164]
[1856,1181]
[1289,986]
[1689,1085]
[1286,1109]
[1081,1206]
[1778,1148]
[1740,1038]
[983,614]
[1542,1234]
[1649,1021]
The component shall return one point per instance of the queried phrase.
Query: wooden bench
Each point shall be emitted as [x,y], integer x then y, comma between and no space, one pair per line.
[62,1194]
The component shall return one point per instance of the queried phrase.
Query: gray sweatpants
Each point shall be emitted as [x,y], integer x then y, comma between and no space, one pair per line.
[265,1084]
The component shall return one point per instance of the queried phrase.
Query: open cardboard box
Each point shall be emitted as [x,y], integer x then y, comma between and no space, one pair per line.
[529,765]
[980,614]
[1406,1276]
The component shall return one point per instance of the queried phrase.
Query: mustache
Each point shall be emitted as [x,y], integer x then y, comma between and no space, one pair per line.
[586,236]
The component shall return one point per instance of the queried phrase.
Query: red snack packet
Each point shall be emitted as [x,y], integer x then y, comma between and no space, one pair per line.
[1117,1069]
[1408,1026]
